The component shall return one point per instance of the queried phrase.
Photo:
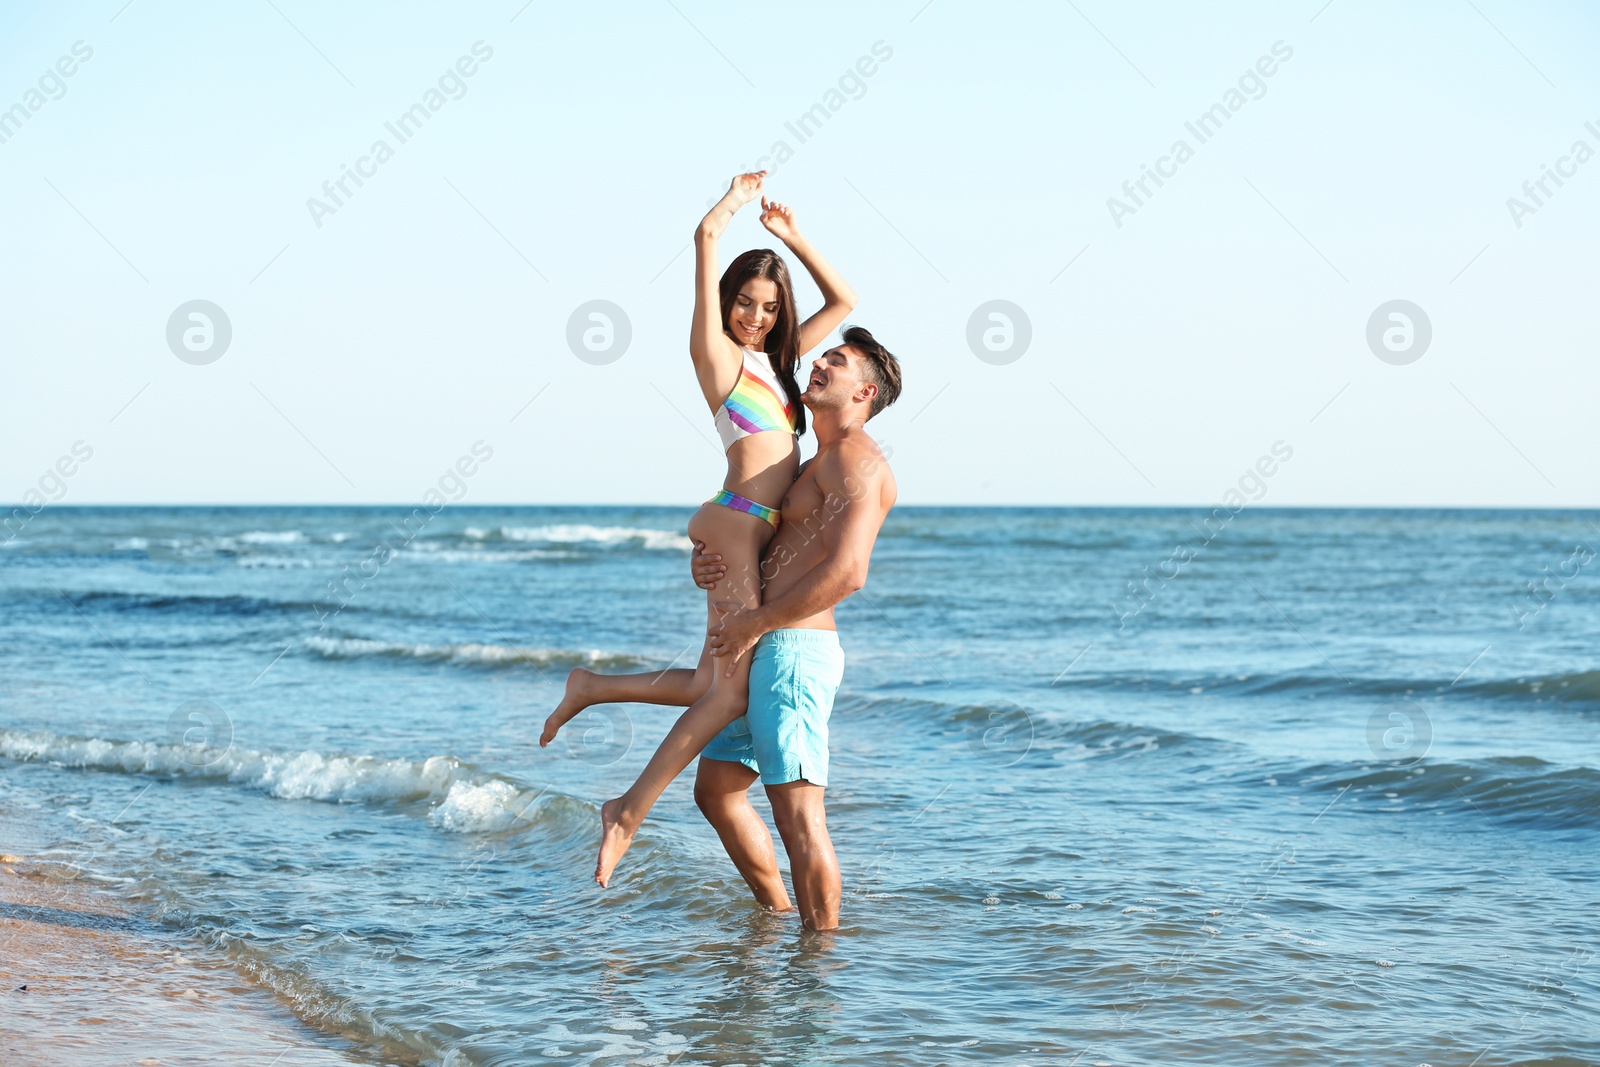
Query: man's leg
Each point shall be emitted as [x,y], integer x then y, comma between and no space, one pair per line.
[722,792]
[798,811]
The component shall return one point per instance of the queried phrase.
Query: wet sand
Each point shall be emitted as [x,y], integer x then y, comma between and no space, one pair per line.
[86,982]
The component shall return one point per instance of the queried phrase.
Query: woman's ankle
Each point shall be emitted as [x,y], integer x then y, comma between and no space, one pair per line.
[631,811]
[578,693]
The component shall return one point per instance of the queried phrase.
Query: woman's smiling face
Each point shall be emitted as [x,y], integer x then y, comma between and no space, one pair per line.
[754,312]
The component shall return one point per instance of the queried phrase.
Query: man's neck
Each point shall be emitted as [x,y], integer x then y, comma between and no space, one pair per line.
[831,425]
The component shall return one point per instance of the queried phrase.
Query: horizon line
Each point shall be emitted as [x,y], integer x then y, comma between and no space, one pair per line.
[975,507]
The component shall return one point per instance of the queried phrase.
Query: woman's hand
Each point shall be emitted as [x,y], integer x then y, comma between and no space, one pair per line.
[707,568]
[779,219]
[745,188]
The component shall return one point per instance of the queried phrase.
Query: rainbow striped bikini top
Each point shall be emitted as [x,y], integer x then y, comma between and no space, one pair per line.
[757,402]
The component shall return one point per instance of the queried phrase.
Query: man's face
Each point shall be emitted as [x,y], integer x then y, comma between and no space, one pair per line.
[835,380]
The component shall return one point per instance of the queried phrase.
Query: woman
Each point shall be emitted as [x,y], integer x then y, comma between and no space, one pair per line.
[746,342]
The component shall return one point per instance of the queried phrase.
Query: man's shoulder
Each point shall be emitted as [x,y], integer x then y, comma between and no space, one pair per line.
[856,468]
[856,453]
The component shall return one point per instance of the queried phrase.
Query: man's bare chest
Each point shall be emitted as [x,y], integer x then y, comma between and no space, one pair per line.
[803,499]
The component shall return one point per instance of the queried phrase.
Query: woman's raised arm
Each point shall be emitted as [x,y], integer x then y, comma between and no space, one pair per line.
[837,297]
[716,358]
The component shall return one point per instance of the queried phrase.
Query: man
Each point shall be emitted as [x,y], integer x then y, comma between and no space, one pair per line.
[819,556]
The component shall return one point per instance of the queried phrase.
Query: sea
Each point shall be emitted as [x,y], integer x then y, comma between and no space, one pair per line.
[1109,786]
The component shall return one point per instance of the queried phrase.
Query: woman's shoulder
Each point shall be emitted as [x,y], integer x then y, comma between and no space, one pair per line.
[760,361]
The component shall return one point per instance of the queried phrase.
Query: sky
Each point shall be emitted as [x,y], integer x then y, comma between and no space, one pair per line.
[1344,254]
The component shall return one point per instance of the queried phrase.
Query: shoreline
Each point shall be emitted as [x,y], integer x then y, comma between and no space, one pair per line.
[87,981]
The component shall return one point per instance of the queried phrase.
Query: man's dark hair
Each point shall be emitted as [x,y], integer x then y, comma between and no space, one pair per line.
[880,367]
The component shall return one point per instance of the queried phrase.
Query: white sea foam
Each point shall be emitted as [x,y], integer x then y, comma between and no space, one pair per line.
[467,653]
[478,554]
[579,533]
[460,801]
[270,537]
[479,807]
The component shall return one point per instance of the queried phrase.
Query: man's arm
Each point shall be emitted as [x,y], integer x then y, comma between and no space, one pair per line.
[854,485]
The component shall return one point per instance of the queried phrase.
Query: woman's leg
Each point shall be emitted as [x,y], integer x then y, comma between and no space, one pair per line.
[740,544]
[675,688]
[620,818]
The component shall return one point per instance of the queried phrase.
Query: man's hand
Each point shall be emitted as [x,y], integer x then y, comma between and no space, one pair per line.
[735,635]
[707,567]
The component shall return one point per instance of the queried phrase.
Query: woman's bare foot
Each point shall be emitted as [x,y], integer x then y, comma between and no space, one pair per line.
[615,837]
[573,701]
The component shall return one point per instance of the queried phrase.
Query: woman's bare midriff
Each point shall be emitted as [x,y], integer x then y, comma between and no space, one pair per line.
[763,466]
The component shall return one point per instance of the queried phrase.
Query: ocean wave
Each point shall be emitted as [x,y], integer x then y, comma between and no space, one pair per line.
[433,553]
[1579,686]
[1001,729]
[573,534]
[230,604]
[458,798]
[467,654]
[1247,684]
[269,537]
[1520,791]
[247,543]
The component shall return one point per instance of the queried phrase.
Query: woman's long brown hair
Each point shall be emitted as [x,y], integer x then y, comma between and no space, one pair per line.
[782,343]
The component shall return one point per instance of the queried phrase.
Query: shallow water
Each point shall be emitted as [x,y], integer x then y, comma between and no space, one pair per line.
[86,984]
[1329,795]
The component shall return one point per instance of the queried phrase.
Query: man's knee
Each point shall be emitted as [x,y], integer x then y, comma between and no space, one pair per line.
[709,799]
[802,834]
[798,813]
[719,786]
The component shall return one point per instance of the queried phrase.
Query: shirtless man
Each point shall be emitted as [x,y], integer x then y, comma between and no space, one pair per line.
[819,556]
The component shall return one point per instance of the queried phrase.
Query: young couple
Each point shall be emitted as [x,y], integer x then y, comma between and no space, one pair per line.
[776,549]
